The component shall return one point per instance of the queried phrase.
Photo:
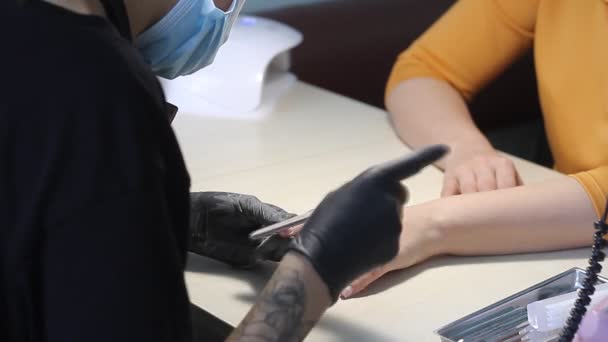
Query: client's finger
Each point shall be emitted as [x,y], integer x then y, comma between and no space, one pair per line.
[291,231]
[362,282]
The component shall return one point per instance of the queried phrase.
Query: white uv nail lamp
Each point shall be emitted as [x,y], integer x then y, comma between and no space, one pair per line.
[249,74]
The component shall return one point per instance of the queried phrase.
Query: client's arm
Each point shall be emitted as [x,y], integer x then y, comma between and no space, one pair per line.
[553,215]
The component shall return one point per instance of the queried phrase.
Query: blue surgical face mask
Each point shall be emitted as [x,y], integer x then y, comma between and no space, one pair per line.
[187,38]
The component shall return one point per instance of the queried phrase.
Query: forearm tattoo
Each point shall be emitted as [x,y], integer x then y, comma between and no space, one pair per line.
[280,312]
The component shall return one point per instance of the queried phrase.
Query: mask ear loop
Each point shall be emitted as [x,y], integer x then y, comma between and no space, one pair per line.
[118,16]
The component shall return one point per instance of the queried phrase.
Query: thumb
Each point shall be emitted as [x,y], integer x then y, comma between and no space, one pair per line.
[262,213]
[272,214]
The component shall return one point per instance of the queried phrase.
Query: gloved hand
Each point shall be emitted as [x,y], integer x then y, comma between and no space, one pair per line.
[357,227]
[220,224]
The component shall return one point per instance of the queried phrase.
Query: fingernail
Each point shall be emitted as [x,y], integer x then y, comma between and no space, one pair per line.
[290,231]
[347,292]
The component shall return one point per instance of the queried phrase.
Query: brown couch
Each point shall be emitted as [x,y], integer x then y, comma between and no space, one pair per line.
[350,46]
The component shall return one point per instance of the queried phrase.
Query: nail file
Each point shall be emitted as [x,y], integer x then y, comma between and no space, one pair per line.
[265,232]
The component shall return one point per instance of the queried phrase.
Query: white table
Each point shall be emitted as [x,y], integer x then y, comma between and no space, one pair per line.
[313,142]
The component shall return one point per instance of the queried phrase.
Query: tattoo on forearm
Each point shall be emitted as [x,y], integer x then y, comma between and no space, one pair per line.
[280,314]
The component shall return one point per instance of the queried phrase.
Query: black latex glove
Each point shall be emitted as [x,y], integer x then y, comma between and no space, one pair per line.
[357,227]
[220,224]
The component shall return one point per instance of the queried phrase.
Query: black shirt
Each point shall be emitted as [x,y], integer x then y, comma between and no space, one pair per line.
[93,188]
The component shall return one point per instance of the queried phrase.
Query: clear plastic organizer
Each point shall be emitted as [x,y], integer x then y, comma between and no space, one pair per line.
[502,321]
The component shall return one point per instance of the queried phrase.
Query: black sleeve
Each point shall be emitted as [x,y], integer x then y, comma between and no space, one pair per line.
[113,273]
[94,175]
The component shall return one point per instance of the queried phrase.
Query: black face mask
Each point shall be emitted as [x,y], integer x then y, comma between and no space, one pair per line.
[117,15]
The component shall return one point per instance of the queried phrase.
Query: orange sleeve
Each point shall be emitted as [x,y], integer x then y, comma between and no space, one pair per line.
[595,183]
[470,44]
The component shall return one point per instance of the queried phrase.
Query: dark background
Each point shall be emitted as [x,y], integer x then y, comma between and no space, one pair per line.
[350,46]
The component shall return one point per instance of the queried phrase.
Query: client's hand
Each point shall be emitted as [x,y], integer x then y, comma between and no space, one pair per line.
[357,227]
[478,172]
[417,243]
[220,224]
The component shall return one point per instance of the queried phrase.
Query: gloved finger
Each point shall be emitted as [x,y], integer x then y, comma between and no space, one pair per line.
[363,282]
[262,213]
[233,254]
[402,168]
[291,231]
[273,214]
[273,248]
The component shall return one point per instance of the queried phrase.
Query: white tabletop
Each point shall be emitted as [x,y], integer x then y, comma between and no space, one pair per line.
[314,141]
